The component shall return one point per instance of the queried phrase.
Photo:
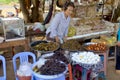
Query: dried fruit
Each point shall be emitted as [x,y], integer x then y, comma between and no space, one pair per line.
[52,67]
[59,55]
[97,47]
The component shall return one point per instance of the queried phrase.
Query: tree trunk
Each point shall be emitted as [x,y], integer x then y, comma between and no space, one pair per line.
[41,11]
[43,8]
[24,11]
[35,15]
[35,10]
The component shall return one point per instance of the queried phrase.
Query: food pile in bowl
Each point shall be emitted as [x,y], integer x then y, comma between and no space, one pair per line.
[44,46]
[86,57]
[50,67]
[51,64]
[58,55]
[97,47]
[72,45]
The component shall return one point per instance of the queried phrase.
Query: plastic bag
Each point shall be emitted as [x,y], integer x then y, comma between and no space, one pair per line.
[38,26]
[24,70]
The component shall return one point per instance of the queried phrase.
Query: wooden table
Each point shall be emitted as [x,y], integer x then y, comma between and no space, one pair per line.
[23,42]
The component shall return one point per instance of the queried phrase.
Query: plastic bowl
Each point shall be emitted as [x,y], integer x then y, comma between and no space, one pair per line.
[38,76]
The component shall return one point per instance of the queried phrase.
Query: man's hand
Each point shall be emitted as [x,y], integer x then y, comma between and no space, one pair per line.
[57,39]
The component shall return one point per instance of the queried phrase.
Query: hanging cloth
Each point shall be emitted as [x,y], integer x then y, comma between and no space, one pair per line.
[49,15]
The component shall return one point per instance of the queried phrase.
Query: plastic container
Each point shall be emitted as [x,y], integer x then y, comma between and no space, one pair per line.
[38,76]
[24,72]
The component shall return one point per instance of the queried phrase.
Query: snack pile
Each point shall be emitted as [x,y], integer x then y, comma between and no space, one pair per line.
[86,57]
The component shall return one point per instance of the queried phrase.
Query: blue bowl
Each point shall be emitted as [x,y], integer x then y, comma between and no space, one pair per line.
[38,76]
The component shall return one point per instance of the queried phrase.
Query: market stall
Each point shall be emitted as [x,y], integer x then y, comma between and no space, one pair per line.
[88,20]
[90,27]
[75,58]
[89,23]
[13,34]
[65,52]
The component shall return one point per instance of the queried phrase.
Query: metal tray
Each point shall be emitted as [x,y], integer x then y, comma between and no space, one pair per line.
[38,42]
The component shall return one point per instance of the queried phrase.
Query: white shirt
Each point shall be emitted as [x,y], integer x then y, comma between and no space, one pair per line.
[59,26]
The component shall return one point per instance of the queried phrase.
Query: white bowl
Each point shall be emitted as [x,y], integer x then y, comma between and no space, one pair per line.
[1,39]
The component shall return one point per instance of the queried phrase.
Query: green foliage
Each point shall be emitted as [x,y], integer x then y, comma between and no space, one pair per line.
[7,1]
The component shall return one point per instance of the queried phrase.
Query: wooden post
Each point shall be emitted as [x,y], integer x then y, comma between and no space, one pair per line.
[70,72]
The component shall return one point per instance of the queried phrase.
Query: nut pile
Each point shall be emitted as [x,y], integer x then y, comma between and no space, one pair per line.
[97,47]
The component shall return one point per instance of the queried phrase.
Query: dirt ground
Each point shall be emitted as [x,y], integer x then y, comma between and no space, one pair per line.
[9,8]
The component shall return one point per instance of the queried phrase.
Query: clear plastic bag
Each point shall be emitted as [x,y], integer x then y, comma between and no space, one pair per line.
[25,71]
